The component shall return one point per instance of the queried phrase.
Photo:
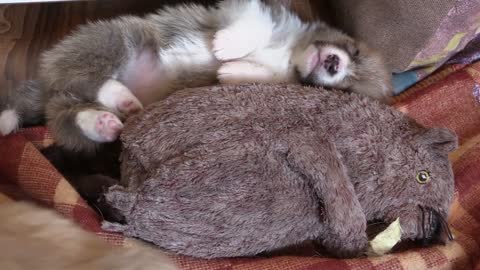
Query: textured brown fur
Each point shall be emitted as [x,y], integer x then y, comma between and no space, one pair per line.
[235,171]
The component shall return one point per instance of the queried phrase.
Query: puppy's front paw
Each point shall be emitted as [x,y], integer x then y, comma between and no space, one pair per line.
[129,105]
[229,44]
[234,72]
[238,72]
[99,126]
[108,126]
[116,96]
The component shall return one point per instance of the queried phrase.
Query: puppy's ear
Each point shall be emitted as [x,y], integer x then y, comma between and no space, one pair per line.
[373,77]
[363,48]
[441,139]
[369,54]
[352,47]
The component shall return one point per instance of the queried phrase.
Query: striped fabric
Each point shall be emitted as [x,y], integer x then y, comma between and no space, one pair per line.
[449,98]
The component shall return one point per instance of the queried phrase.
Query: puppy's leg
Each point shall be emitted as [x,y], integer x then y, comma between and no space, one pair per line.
[80,125]
[116,96]
[252,29]
[237,72]
[87,75]
[99,125]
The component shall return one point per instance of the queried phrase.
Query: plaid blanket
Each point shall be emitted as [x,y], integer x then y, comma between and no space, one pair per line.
[449,98]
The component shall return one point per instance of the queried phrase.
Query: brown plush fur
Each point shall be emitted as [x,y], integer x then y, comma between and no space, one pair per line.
[235,171]
[32,237]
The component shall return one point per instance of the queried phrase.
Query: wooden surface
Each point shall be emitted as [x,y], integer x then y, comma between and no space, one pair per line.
[26,30]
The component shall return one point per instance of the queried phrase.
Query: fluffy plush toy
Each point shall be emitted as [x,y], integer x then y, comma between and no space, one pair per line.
[238,170]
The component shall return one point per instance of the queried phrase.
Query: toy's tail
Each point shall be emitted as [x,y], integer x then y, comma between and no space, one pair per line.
[21,106]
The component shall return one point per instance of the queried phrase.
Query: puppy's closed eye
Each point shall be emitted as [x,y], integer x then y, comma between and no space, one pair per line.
[352,49]
[356,52]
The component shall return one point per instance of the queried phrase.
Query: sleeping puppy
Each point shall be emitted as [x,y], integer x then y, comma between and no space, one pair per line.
[106,70]
[32,237]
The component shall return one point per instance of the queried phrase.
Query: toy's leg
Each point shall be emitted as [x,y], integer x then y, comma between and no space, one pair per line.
[319,162]
[237,72]
[121,200]
[251,30]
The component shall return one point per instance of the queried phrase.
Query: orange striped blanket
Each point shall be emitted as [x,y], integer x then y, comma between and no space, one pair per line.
[449,98]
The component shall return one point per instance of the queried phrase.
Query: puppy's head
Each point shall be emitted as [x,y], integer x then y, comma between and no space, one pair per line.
[334,60]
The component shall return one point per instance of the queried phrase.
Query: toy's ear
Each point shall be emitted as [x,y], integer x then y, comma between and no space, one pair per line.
[439,138]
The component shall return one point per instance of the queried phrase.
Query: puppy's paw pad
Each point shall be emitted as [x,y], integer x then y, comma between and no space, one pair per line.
[129,105]
[228,45]
[116,96]
[99,126]
[108,126]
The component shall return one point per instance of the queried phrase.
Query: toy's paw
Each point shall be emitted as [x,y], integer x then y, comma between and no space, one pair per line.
[230,43]
[238,72]
[99,126]
[346,247]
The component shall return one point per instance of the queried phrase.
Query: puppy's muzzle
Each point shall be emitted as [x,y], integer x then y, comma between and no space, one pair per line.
[331,64]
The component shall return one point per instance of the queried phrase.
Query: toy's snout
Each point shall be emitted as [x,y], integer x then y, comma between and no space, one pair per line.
[425,224]
[434,226]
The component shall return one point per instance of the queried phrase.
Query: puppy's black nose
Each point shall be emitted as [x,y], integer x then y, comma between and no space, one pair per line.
[331,64]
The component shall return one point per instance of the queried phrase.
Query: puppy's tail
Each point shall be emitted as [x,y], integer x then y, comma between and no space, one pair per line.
[21,106]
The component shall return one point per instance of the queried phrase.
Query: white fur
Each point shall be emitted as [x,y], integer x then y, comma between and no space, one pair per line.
[187,53]
[9,121]
[304,61]
[95,125]
[112,93]
[277,60]
[252,30]
[249,34]
[238,72]
[251,37]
